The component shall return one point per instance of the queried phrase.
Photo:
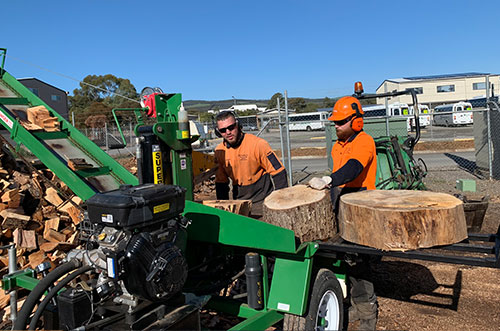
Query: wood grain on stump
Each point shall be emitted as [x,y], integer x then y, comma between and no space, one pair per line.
[305,211]
[399,220]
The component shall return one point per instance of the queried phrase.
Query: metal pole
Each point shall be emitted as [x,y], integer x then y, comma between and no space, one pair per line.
[386,111]
[130,132]
[490,145]
[13,293]
[106,135]
[73,118]
[290,177]
[280,124]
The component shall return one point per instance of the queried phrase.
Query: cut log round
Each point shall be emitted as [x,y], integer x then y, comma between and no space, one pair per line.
[306,211]
[399,220]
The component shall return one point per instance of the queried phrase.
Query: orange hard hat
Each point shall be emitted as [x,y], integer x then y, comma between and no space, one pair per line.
[345,107]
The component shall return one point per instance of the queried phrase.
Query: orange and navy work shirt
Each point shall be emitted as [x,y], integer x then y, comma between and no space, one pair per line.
[250,167]
[360,147]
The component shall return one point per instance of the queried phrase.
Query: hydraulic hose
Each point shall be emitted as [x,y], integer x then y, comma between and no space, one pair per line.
[53,292]
[40,289]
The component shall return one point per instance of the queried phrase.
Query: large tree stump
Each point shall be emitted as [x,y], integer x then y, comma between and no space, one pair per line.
[306,211]
[400,220]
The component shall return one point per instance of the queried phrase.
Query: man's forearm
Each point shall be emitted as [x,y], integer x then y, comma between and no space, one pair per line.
[347,173]
[280,180]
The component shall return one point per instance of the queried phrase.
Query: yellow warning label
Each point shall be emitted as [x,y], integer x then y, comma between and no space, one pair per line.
[185,134]
[157,167]
[160,208]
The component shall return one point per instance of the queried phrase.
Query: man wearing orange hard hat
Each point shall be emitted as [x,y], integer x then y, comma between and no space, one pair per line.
[354,169]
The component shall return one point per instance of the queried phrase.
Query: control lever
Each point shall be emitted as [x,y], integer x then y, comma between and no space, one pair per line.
[43,269]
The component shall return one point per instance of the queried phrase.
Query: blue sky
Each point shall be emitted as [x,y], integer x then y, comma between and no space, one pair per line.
[215,50]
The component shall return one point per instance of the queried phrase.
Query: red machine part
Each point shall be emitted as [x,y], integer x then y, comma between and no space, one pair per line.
[148,101]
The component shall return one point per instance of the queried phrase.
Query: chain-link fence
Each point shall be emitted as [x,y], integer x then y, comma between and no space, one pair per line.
[462,139]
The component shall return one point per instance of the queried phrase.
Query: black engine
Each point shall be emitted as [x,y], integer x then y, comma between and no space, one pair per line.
[140,235]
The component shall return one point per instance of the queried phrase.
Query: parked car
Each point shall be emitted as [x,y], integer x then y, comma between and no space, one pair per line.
[249,128]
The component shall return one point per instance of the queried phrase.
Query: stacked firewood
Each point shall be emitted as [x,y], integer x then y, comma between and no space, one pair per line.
[38,118]
[204,186]
[35,216]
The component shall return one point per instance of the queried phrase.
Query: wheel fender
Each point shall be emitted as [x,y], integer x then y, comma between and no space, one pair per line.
[343,286]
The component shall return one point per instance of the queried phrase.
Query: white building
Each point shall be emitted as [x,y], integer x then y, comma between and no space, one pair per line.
[242,107]
[440,89]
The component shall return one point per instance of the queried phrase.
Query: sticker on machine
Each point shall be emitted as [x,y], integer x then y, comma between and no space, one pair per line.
[107,218]
[283,306]
[183,164]
[6,120]
[111,267]
[160,208]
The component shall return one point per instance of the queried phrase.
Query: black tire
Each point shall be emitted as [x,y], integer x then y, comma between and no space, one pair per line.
[308,129]
[326,293]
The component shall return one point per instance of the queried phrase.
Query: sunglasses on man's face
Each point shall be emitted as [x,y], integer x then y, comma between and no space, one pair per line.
[229,127]
[342,122]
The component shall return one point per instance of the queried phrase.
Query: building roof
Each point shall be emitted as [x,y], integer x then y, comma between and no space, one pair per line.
[435,77]
[41,81]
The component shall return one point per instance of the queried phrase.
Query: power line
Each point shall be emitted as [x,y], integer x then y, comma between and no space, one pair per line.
[71,78]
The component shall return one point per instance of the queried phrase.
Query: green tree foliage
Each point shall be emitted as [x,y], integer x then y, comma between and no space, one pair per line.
[329,103]
[247,112]
[99,94]
[299,104]
[206,117]
[273,103]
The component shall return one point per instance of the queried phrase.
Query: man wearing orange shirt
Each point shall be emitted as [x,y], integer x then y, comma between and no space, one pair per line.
[248,161]
[354,155]
[354,169]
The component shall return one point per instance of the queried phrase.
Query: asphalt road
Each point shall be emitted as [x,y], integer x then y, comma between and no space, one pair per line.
[317,138]
[434,161]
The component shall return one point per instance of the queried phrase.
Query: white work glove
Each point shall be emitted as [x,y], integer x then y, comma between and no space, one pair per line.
[320,183]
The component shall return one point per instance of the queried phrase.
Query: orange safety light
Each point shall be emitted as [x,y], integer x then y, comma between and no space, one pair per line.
[358,88]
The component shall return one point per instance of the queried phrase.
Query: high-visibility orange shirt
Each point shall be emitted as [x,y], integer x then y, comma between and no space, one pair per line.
[360,147]
[250,167]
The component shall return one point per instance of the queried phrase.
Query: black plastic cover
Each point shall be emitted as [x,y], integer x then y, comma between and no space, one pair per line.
[136,206]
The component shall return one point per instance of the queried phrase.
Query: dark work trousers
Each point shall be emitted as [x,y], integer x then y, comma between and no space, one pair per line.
[364,305]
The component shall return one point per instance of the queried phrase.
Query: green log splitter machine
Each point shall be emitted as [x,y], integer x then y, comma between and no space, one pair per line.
[152,257]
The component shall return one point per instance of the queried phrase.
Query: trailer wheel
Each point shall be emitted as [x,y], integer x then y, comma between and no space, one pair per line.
[325,310]
[308,129]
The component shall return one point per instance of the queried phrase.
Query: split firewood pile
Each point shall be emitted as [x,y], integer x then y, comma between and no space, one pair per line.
[204,188]
[35,217]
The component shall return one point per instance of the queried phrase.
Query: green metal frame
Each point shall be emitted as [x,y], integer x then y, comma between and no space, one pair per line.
[35,144]
[22,278]
[167,129]
[137,112]
[4,54]
[393,174]
[287,292]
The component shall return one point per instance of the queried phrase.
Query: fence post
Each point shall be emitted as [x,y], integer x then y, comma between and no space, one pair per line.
[130,132]
[106,134]
[288,140]
[387,114]
[488,124]
[280,124]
